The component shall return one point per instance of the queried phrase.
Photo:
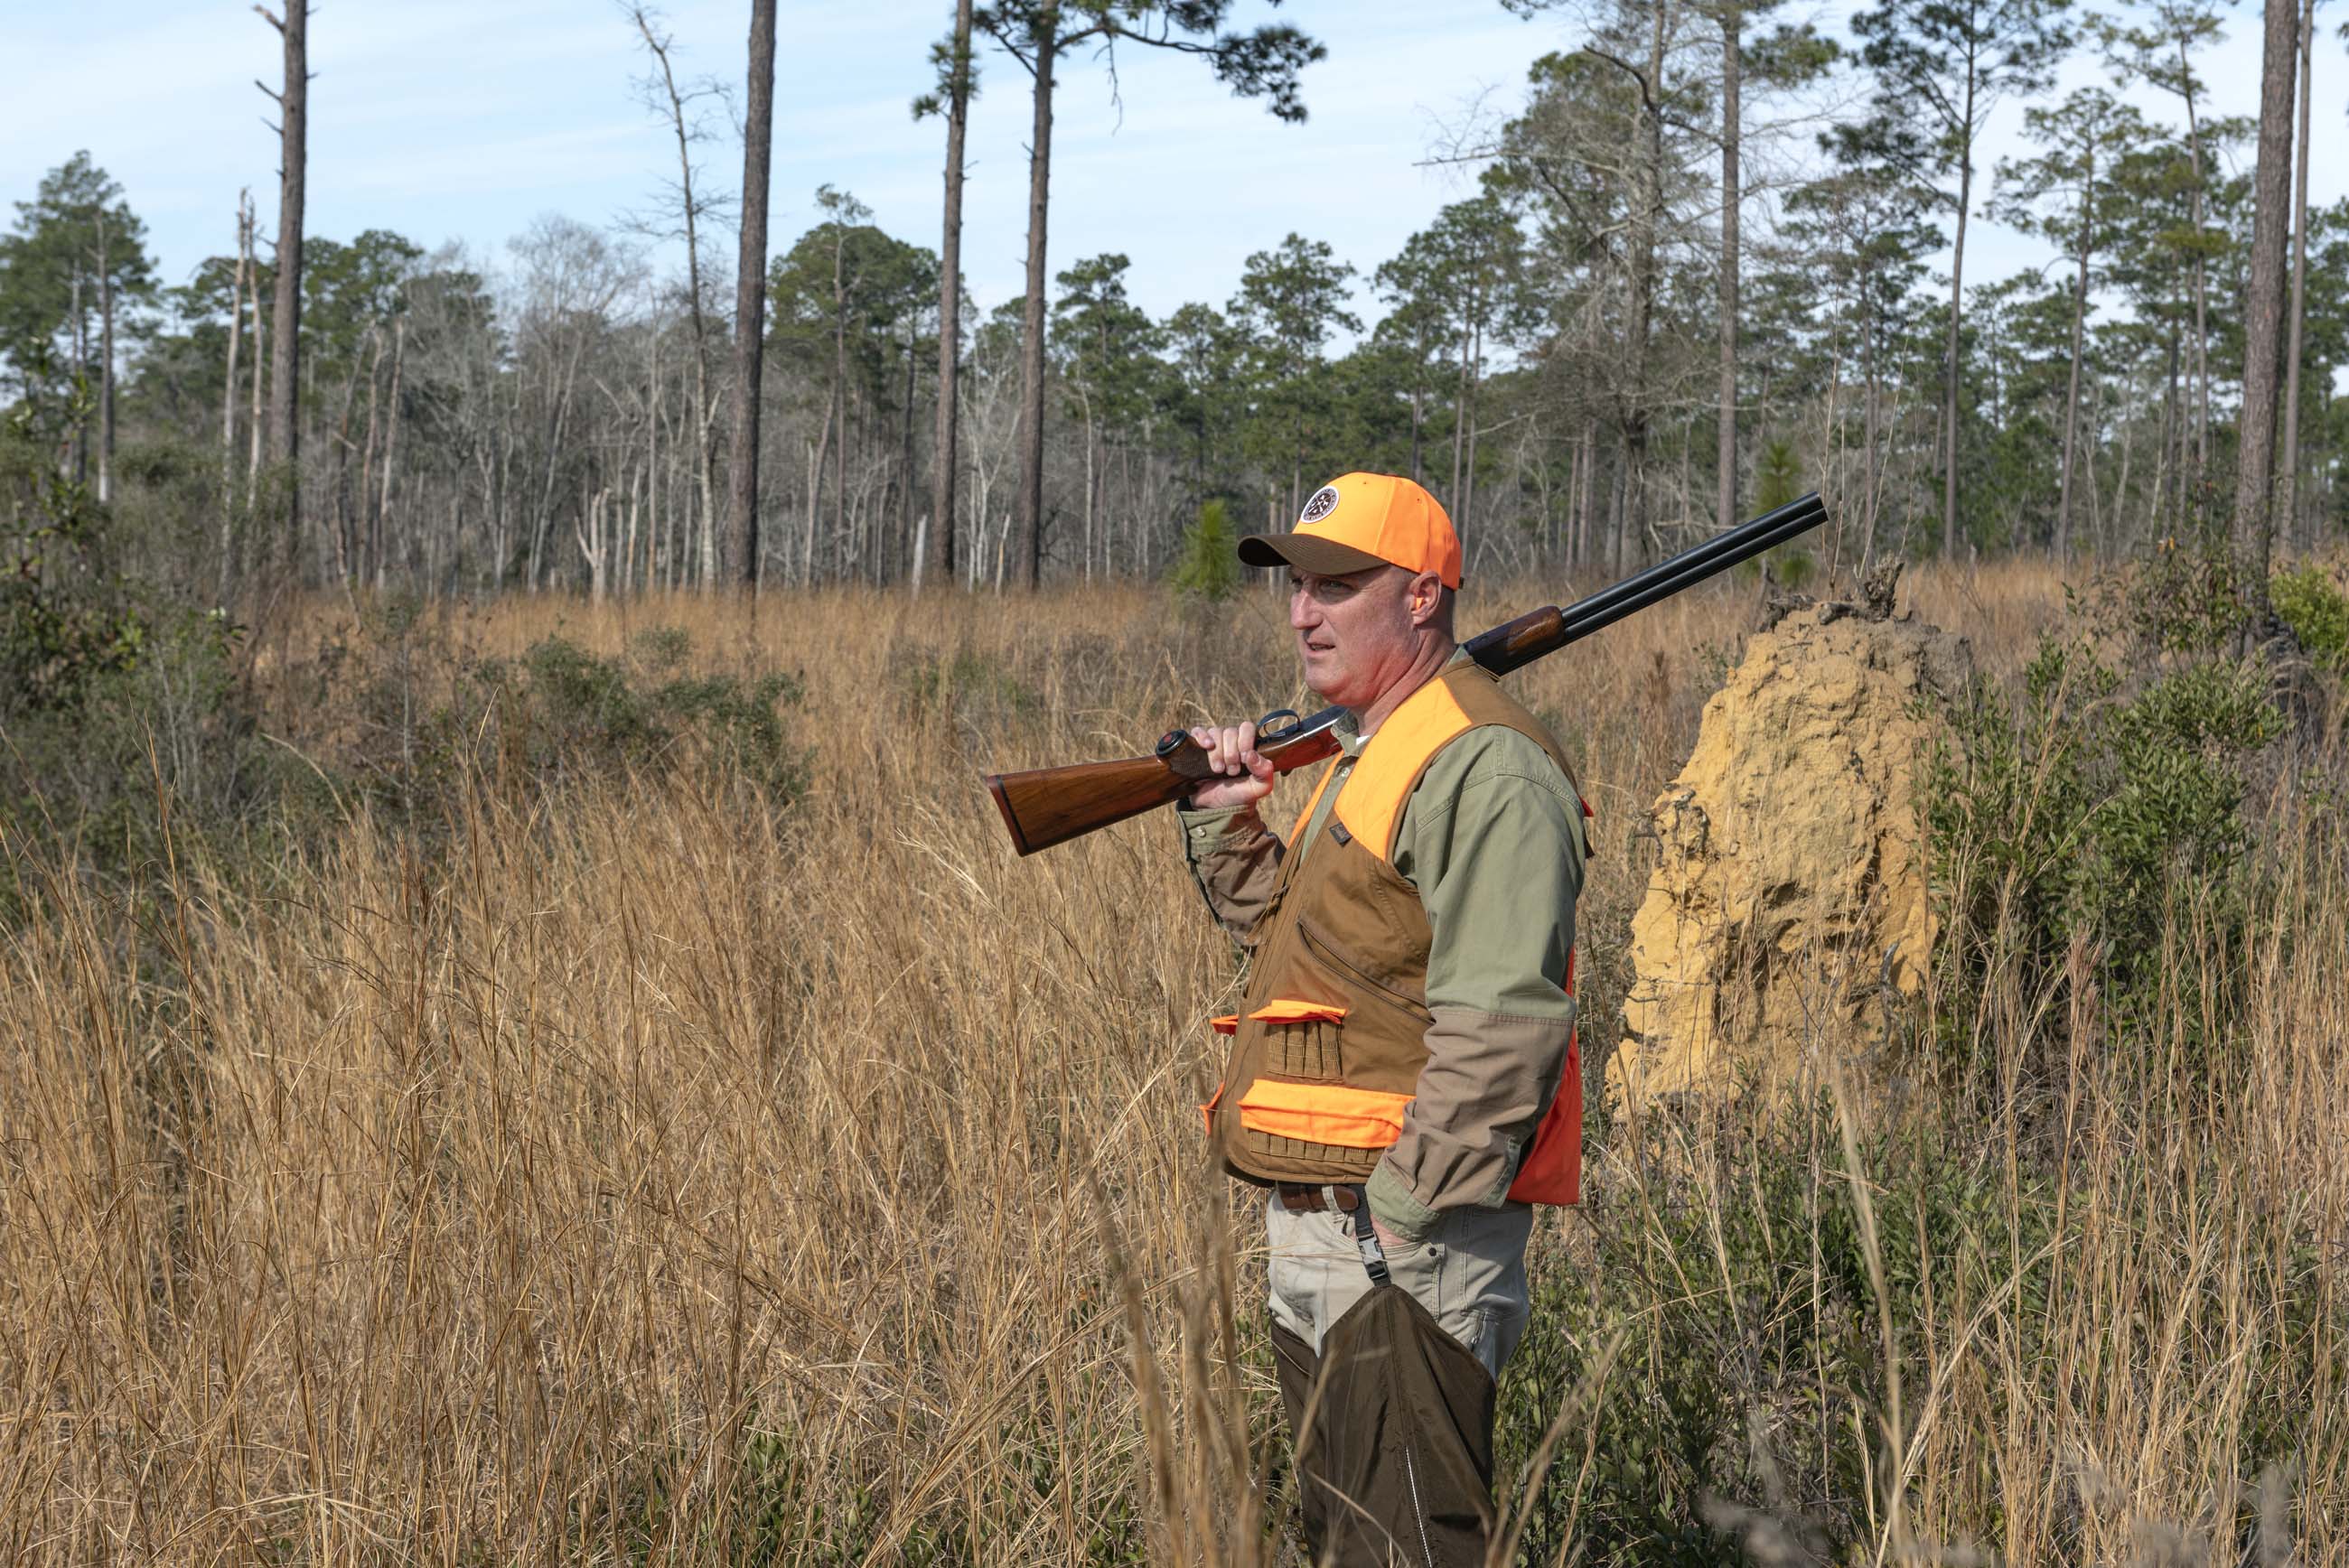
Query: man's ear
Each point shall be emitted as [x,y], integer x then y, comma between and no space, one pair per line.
[1426,597]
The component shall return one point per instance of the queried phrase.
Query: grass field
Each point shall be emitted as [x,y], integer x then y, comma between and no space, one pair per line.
[628,1172]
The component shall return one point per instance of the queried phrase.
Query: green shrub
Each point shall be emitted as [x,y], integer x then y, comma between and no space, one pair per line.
[1752,1380]
[1777,476]
[2095,813]
[560,714]
[1209,565]
[67,618]
[2317,611]
[2184,599]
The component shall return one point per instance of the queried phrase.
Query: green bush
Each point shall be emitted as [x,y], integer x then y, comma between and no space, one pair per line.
[1778,476]
[2184,599]
[1751,1380]
[2095,812]
[434,722]
[1209,565]
[67,618]
[2317,611]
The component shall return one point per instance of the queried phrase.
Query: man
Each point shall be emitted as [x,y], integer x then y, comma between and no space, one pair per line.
[1407,1030]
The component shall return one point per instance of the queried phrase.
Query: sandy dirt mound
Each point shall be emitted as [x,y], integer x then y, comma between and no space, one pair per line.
[1791,896]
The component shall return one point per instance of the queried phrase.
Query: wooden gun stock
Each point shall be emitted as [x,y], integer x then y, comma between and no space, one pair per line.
[1049,805]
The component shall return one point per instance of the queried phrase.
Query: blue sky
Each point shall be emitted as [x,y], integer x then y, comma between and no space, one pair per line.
[461,119]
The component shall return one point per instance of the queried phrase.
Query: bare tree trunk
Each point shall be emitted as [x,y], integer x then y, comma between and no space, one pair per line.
[814,497]
[2202,276]
[1032,348]
[259,364]
[2287,509]
[2263,312]
[1725,477]
[1460,419]
[2096,442]
[653,539]
[2111,543]
[365,532]
[1418,400]
[285,368]
[2079,327]
[1868,419]
[106,368]
[1084,397]
[235,344]
[1647,236]
[942,473]
[227,543]
[2168,485]
[704,413]
[1956,310]
[1585,484]
[1469,478]
[906,452]
[390,449]
[840,385]
[78,460]
[750,293]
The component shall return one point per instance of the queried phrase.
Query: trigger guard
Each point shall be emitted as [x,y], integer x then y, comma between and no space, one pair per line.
[1266,730]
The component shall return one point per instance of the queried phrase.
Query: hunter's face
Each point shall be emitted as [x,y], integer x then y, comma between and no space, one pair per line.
[1355,634]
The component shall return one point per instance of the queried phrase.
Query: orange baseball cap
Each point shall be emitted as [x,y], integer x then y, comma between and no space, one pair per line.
[1356,522]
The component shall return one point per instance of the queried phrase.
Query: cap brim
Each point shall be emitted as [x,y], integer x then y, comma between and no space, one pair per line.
[1306,552]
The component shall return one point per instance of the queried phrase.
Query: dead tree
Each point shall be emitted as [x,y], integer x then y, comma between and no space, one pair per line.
[666,98]
[285,369]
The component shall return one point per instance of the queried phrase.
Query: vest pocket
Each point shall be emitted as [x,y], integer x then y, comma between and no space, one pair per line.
[1301,1038]
[1358,980]
[1330,1114]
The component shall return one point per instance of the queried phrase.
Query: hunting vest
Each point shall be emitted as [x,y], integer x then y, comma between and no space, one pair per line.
[1326,1049]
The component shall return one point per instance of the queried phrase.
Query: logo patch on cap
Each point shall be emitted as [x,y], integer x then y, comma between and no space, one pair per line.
[1322,502]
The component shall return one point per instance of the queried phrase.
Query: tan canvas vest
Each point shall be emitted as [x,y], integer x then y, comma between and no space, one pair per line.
[1326,1049]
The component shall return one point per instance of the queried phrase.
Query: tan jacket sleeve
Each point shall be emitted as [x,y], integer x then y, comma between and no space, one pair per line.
[1492,838]
[1236,860]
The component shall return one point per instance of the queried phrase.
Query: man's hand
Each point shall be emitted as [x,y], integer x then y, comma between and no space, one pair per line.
[1388,1240]
[1244,778]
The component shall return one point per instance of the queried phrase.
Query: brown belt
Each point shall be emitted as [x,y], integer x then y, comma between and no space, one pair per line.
[1300,1199]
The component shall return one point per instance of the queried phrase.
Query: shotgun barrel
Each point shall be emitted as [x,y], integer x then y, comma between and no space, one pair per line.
[1048,805]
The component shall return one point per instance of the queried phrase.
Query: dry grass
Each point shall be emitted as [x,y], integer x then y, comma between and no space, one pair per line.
[646,1180]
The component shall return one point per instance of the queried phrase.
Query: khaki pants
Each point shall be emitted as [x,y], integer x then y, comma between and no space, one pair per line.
[1470,1274]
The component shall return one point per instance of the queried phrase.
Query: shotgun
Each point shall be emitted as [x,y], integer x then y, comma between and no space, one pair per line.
[1048,805]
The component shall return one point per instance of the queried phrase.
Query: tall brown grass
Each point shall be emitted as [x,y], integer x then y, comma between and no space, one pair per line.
[628,1177]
